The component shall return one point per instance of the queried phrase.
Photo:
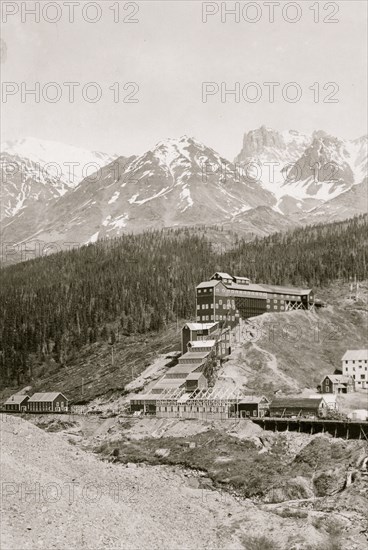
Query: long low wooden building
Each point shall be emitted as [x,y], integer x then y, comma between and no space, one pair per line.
[48,402]
[306,407]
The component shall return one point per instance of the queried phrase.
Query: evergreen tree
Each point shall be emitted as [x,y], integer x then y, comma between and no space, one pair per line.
[53,306]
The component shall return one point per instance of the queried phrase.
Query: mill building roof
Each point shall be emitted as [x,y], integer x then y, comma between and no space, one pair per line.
[355,355]
[50,396]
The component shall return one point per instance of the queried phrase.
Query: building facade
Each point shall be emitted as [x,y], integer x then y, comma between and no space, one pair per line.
[330,399]
[195,381]
[286,407]
[337,383]
[48,402]
[16,403]
[355,364]
[253,407]
[206,336]
[226,299]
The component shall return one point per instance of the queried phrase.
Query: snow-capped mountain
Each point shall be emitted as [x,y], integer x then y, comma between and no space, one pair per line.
[70,164]
[24,183]
[301,171]
[350,203]
[179,182]
[182,182]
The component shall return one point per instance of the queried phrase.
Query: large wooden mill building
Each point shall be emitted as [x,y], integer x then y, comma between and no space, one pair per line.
[228,298]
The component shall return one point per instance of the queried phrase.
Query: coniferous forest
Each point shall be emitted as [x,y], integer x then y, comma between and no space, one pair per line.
[50,307]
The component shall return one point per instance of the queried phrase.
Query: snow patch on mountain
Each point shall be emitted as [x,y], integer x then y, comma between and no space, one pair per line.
[114,197]
[119,222]
[133,198]
[93,239]
[161,192]
[357,152]
[185,196]
[71,164]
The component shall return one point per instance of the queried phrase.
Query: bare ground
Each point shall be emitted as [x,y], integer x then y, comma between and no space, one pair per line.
[112,506]
[135,506]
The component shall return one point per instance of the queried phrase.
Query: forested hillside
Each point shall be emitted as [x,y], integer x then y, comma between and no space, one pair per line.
[313,255]
[51,307]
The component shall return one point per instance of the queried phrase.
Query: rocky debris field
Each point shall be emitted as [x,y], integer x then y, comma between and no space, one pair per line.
[177,485]
[57,496]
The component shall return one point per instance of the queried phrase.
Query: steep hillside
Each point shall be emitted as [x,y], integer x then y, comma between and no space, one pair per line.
[25,185]
[102,369]
[351,202]
[65,311]
[292,351]
[310,256]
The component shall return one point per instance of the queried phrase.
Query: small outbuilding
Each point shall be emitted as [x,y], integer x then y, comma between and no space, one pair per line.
[359,414]
[196,381]
[48,402]
[16,403]
[253,406]
[331,400]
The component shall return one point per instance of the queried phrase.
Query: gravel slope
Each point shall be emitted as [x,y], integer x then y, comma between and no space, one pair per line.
[111,507]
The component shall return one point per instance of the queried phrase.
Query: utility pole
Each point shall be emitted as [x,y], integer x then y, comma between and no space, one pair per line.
[356,287]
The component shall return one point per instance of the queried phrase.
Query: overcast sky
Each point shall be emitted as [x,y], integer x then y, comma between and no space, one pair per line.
[169,53]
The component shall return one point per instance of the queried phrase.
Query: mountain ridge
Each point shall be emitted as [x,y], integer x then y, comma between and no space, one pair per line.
[181,182]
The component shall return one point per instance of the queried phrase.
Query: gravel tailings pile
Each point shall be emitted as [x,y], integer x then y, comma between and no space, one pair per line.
[56,496]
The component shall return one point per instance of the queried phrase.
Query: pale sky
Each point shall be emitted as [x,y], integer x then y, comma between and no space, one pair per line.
[169,53]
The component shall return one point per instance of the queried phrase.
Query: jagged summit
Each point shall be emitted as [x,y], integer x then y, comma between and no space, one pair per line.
[261,140]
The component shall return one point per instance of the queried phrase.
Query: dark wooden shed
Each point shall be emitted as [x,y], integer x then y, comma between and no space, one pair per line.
[16,403]
[253,406]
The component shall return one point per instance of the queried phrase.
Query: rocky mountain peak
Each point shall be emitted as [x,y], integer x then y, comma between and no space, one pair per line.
[255,141]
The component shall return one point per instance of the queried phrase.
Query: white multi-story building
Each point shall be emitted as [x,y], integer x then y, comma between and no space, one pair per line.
[355,364]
